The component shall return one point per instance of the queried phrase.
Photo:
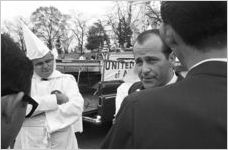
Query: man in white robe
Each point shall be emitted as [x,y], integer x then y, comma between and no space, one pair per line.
[59,113]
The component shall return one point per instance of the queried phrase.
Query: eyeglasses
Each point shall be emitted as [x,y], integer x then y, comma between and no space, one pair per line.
[33,104]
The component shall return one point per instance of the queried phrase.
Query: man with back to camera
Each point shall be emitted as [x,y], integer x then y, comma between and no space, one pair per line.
[59,114]
[16,76]
[154,65]
[193,112]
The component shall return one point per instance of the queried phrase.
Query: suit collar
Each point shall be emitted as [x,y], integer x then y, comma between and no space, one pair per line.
[211,59]
[173,79]
[217,68]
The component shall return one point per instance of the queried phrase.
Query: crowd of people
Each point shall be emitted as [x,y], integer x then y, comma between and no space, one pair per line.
[42,108]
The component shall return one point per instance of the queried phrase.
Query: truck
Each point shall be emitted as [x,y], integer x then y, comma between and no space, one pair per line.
[98,81]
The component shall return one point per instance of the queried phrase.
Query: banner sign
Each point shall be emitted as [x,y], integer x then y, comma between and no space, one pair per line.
[117,70]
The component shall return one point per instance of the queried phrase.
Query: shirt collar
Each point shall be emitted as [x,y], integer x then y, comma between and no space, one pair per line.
[206,60]
[173,80]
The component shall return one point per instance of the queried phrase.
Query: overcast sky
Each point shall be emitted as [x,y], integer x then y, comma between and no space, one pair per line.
[91,9]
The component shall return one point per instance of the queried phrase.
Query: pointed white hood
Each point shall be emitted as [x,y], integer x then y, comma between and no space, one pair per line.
[35,47]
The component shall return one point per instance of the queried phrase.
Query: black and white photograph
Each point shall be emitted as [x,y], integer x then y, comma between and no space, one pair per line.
[131,74]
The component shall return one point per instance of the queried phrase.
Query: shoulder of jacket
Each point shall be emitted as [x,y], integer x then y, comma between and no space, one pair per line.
[155,96]
[134,87]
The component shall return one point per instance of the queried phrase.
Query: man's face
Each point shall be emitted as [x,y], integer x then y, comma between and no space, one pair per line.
[13,111]
[44,66]
[153,68]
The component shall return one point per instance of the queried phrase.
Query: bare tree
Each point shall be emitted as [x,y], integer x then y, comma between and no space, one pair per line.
[97,37]
[63,43]
[120,21]
[49,24]
[66,42]
[79,28]
[15,31]
[153,12]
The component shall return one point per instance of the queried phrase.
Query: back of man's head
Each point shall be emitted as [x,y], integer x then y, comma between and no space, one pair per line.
[146,35]
[17,69]
[201,24]
[16,76]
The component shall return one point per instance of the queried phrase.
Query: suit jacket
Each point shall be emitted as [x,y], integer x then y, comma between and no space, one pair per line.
[191,113]
[127,88]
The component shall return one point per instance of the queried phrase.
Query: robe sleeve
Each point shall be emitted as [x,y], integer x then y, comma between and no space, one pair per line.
[67,113]
[45,103]
[121,133]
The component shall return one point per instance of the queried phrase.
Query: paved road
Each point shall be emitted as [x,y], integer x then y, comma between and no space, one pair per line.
[92,135]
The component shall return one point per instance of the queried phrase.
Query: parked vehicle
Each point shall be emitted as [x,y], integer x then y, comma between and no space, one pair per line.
[98,81]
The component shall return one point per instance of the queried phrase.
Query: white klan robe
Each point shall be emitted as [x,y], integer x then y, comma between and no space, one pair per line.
[52,126]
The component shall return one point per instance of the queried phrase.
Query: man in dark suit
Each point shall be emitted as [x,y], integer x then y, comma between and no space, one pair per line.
[154,62]
[154,65]
[193,112]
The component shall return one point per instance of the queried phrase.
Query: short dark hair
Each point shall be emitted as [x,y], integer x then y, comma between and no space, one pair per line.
[201,24]
[17,69]
[146,34]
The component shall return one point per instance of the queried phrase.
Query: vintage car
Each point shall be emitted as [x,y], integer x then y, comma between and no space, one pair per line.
[98,81]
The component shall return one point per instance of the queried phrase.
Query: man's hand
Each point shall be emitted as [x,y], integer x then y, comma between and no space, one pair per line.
[61,98]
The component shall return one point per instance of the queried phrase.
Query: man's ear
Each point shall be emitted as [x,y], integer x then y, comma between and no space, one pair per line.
[9,104]
[172,58]
[168,35]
